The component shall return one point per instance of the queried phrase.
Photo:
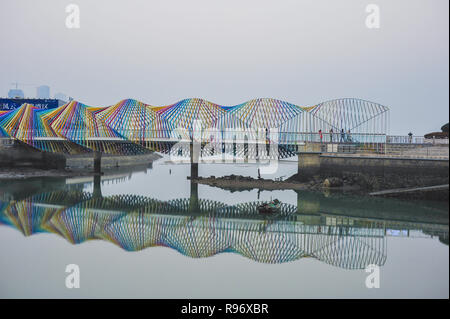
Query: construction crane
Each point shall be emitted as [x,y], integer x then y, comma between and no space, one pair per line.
[21,84]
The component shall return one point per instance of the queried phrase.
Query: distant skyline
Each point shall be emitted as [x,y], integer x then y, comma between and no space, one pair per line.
[38,92]
[228,52]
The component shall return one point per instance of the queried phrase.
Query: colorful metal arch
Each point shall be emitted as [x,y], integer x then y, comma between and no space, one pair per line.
[356,115]
[130,126]
[134,120]
[262,113]
[183,114]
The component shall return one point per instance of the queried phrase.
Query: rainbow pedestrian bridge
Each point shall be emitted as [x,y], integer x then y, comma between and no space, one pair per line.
[133,127]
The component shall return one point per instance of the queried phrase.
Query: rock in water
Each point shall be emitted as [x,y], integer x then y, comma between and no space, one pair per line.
[332,182]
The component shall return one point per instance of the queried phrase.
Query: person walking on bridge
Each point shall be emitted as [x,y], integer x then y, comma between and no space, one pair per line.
[342,136]
[320,136]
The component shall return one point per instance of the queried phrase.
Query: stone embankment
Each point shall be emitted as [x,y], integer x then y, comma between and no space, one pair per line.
[19,160]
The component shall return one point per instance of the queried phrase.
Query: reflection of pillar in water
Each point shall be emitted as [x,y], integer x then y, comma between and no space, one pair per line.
[97,186]
[194,206]
[193,201]
[305,206]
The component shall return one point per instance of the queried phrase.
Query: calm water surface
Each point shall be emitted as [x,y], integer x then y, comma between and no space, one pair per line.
[151,234]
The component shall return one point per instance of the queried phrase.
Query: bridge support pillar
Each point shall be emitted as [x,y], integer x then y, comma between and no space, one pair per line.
[193,200]
[97,174]
[245,149]
[308,164]
[194,153]
[194,150]
[234,149]
[97,162]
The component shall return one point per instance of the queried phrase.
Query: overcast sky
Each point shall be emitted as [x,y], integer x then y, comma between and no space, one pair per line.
[303,52]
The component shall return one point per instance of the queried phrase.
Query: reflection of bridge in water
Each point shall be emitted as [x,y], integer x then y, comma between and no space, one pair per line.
[135,223]
[203,228]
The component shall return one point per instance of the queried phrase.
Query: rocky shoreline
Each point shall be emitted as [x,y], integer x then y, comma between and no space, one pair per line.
[237,182]
[356,183]
[24,173]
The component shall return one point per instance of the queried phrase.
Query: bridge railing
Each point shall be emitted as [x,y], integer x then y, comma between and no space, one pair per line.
[341,142]
[405,139]
[315,137]
[5,141]
[280,137]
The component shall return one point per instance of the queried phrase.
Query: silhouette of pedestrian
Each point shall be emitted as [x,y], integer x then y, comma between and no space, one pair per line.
[342,136]
[320,136]
[410,137]
[331,135]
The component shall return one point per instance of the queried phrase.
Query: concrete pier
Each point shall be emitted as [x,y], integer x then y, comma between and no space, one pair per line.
[194,151]
[382,166]
[18,154]
[308,164]
[83,161]
[317,163]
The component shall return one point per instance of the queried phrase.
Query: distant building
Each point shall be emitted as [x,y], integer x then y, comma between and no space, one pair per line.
[14,103]
[61,96]
[43,92]
[15,94]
